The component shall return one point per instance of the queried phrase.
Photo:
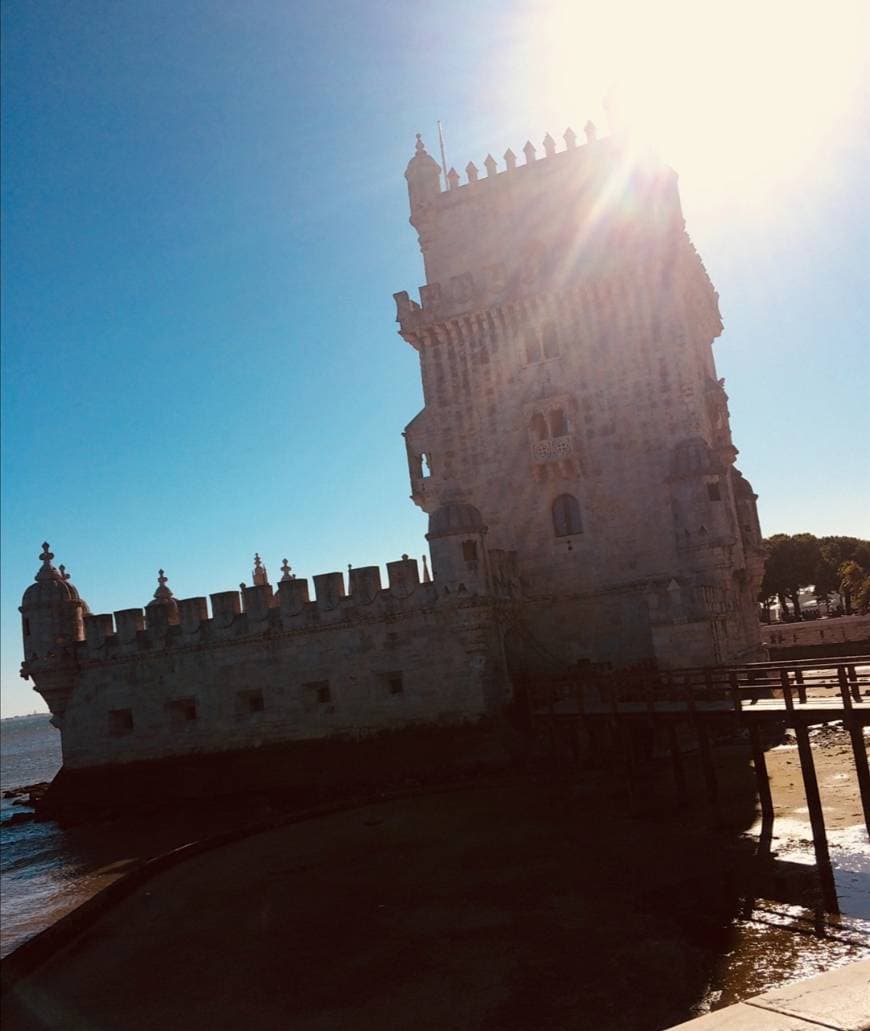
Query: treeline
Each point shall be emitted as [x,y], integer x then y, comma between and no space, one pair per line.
[827,564]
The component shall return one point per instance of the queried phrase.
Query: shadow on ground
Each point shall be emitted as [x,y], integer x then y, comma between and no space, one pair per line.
[532,902]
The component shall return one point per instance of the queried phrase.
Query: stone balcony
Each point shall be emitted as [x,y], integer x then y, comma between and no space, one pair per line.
[554,449]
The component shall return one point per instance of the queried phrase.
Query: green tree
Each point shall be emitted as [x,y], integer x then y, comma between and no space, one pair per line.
[799,560]
[855,585]
[826,580]
[792,561]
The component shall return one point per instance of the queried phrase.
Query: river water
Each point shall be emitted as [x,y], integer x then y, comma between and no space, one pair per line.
[46,870]
[34,856]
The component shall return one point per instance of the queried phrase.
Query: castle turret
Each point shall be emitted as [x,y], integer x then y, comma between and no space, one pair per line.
[52,622]
[456,540]
[424,180]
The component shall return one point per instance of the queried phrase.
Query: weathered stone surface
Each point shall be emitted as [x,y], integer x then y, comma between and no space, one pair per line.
[565,337]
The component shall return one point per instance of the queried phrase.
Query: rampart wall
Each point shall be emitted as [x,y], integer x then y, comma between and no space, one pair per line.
[276,666]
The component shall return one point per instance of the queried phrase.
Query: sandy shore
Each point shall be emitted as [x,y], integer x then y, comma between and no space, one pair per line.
[522,904]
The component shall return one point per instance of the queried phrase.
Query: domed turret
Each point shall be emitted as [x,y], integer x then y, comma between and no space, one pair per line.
[455,517]
[52,622]
[52,612]
[456,540]
[424,178]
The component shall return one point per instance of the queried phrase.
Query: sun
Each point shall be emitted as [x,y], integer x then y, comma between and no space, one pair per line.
[744,96]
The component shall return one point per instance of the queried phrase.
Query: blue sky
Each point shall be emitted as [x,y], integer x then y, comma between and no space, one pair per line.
[205,218]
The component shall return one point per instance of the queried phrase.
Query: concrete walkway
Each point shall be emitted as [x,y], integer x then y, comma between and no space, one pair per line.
[839,1000]
[502,907]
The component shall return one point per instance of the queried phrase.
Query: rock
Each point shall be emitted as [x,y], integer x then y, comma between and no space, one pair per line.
[17,818]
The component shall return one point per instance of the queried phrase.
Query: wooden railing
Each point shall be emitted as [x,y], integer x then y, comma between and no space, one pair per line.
[795,694]
[794,683]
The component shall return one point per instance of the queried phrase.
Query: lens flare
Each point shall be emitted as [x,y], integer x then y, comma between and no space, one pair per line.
[748,96]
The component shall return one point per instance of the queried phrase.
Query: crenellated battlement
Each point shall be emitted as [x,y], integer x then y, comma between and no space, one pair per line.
[291,608]
[598,208]
[424,172]
[533,163]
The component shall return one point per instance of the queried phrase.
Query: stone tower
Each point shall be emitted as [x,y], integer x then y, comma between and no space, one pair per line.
[52,624]
[572,408]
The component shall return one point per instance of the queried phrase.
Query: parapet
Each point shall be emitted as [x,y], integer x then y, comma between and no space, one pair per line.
[484,238]
[258,601]
[98,627]
[292,597]
[328,589]
[129,622]
[225,606]
[365,583]
[404,576]
[192,613]
[490,164]
[159,618]
[260,608]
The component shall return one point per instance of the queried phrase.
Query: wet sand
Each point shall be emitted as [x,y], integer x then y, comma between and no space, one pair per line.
[512,905]
[782,934]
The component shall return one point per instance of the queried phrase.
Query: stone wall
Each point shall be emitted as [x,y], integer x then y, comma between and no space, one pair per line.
[565,339]
[284,670]
[840,630]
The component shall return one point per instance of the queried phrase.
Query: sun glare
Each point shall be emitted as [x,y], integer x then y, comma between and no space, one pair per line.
[741,96]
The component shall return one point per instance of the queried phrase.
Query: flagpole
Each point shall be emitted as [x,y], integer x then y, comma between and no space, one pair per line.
[443,158]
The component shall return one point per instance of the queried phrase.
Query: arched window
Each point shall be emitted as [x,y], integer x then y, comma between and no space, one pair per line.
[558,423]
[566,516]
[538,426]
[533,349]
[551,340]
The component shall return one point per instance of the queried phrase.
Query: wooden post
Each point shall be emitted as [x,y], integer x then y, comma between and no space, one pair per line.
[859,748]
[760,763]
[762,783]
[853,680]
[551,723]
[580,723]
[649,697]
[677,761]
[623,739]
[704,750]
[801,686]
[734,683]
[526,687]
[817,819]
[786,691]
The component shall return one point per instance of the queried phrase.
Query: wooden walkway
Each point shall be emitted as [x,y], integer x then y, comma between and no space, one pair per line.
[791,694]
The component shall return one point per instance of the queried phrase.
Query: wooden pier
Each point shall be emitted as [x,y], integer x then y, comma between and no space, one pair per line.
[796,694]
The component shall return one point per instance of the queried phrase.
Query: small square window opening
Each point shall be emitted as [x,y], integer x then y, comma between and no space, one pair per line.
[182,710]
[120,722]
